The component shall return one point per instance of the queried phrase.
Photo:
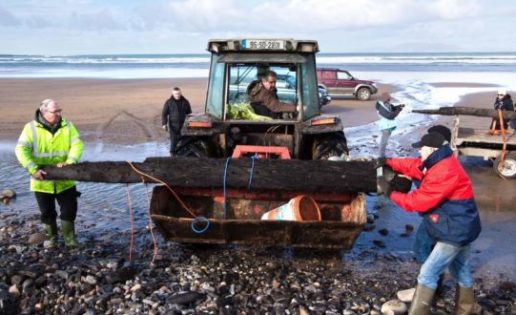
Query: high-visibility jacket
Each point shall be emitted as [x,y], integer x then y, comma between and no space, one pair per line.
[37,147]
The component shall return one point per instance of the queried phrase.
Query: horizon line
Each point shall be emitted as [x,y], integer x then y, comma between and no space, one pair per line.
[207,53]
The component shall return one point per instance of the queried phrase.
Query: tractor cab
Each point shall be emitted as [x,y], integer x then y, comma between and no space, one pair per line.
[238,65]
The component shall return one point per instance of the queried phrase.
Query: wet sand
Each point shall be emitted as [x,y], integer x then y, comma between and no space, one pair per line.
[117,111]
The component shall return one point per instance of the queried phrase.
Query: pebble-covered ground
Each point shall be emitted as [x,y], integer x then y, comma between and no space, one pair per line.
[99,279]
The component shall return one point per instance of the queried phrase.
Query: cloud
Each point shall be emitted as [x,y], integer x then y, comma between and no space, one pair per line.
[208,16]
[454,9]
[306,15]
[185,25]
[96,21]
[7,18]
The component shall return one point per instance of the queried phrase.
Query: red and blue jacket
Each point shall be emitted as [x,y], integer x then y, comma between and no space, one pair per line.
[444,198]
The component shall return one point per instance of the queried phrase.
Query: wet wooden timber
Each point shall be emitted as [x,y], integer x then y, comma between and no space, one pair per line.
[285,175]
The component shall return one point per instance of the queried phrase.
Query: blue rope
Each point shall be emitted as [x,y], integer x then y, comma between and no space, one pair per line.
[253,158]
[196,221]
[201,218]
[224,184]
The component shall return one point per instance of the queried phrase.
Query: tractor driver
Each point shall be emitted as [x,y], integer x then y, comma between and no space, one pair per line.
[264,98]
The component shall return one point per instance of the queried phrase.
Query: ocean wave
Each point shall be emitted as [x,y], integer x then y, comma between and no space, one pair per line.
[417,59]
[326,59]
[102,60]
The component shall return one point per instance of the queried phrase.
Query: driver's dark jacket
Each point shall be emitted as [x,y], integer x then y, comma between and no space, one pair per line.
[265,102]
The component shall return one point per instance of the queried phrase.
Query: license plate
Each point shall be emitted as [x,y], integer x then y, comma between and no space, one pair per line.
[264,44]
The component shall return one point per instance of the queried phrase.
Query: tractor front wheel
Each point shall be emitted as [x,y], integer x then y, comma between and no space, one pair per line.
[330,145]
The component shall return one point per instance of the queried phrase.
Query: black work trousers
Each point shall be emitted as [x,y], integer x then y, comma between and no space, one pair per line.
[67,201]
[175,133]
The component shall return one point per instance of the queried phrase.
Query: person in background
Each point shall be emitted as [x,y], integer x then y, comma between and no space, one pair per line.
[173,116]
[503,101]
[387,112]
[450,216]
[51,140]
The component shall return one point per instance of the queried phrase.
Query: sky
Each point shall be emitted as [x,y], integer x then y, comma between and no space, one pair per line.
[69,27]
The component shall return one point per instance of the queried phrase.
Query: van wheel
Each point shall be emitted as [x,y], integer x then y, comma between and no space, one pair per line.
[363,94]
[509,167]
[330,145]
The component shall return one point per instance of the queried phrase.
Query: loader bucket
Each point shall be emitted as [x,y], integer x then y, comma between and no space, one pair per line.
[237,221]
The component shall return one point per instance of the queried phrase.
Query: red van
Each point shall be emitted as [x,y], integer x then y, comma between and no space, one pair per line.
[340,83]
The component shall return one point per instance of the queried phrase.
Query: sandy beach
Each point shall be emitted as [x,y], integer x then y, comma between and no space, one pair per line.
[126,111]
[117,111]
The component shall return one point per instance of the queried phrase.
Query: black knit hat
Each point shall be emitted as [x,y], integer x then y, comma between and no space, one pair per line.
[443,130]
[432,139]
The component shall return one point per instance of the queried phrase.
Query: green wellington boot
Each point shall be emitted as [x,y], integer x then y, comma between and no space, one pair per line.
[422,301]
[51,233]
[68,230]
[464,301]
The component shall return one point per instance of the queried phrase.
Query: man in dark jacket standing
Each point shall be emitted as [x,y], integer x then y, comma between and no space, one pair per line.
[445,199]
[173,116]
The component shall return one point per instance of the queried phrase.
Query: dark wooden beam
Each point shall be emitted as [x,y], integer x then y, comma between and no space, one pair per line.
[468,111]
[285,175]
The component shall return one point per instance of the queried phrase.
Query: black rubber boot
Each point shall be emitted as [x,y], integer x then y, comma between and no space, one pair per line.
[464,301]
[422,301]
[51,232]
[68,229]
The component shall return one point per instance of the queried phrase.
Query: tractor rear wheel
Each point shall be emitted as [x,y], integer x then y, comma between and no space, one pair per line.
[330,145]
[195,147]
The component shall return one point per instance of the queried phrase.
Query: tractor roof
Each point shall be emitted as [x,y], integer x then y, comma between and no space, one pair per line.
[262,45]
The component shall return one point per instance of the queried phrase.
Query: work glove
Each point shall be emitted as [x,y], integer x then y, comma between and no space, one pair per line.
[401,183]
[165,127]
[397,181]
[384,187]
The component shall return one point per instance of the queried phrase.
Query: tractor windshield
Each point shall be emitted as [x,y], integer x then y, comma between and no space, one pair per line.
[244,77]
[233,76]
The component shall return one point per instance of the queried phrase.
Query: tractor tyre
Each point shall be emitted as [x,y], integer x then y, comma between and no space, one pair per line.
[330,145]
[195,147]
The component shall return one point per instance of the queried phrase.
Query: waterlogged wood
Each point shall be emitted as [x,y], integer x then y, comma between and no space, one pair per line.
[468,111]
[288,175]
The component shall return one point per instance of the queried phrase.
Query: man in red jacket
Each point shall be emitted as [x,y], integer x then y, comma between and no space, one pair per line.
[446,202]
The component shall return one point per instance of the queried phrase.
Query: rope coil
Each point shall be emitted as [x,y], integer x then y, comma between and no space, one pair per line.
[144,175]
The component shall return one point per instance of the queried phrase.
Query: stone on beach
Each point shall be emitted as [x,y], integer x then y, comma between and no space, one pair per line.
[37,238]
[407,295]
[6,195]
[394,307]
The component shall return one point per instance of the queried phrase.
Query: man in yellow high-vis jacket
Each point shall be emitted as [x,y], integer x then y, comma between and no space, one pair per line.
[51,140]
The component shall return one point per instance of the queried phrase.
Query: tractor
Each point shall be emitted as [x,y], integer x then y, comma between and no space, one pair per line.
[235,64]
[234,215]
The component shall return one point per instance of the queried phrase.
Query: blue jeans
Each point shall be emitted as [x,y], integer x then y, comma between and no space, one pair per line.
[443,256]
[422,244]
[386,134]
